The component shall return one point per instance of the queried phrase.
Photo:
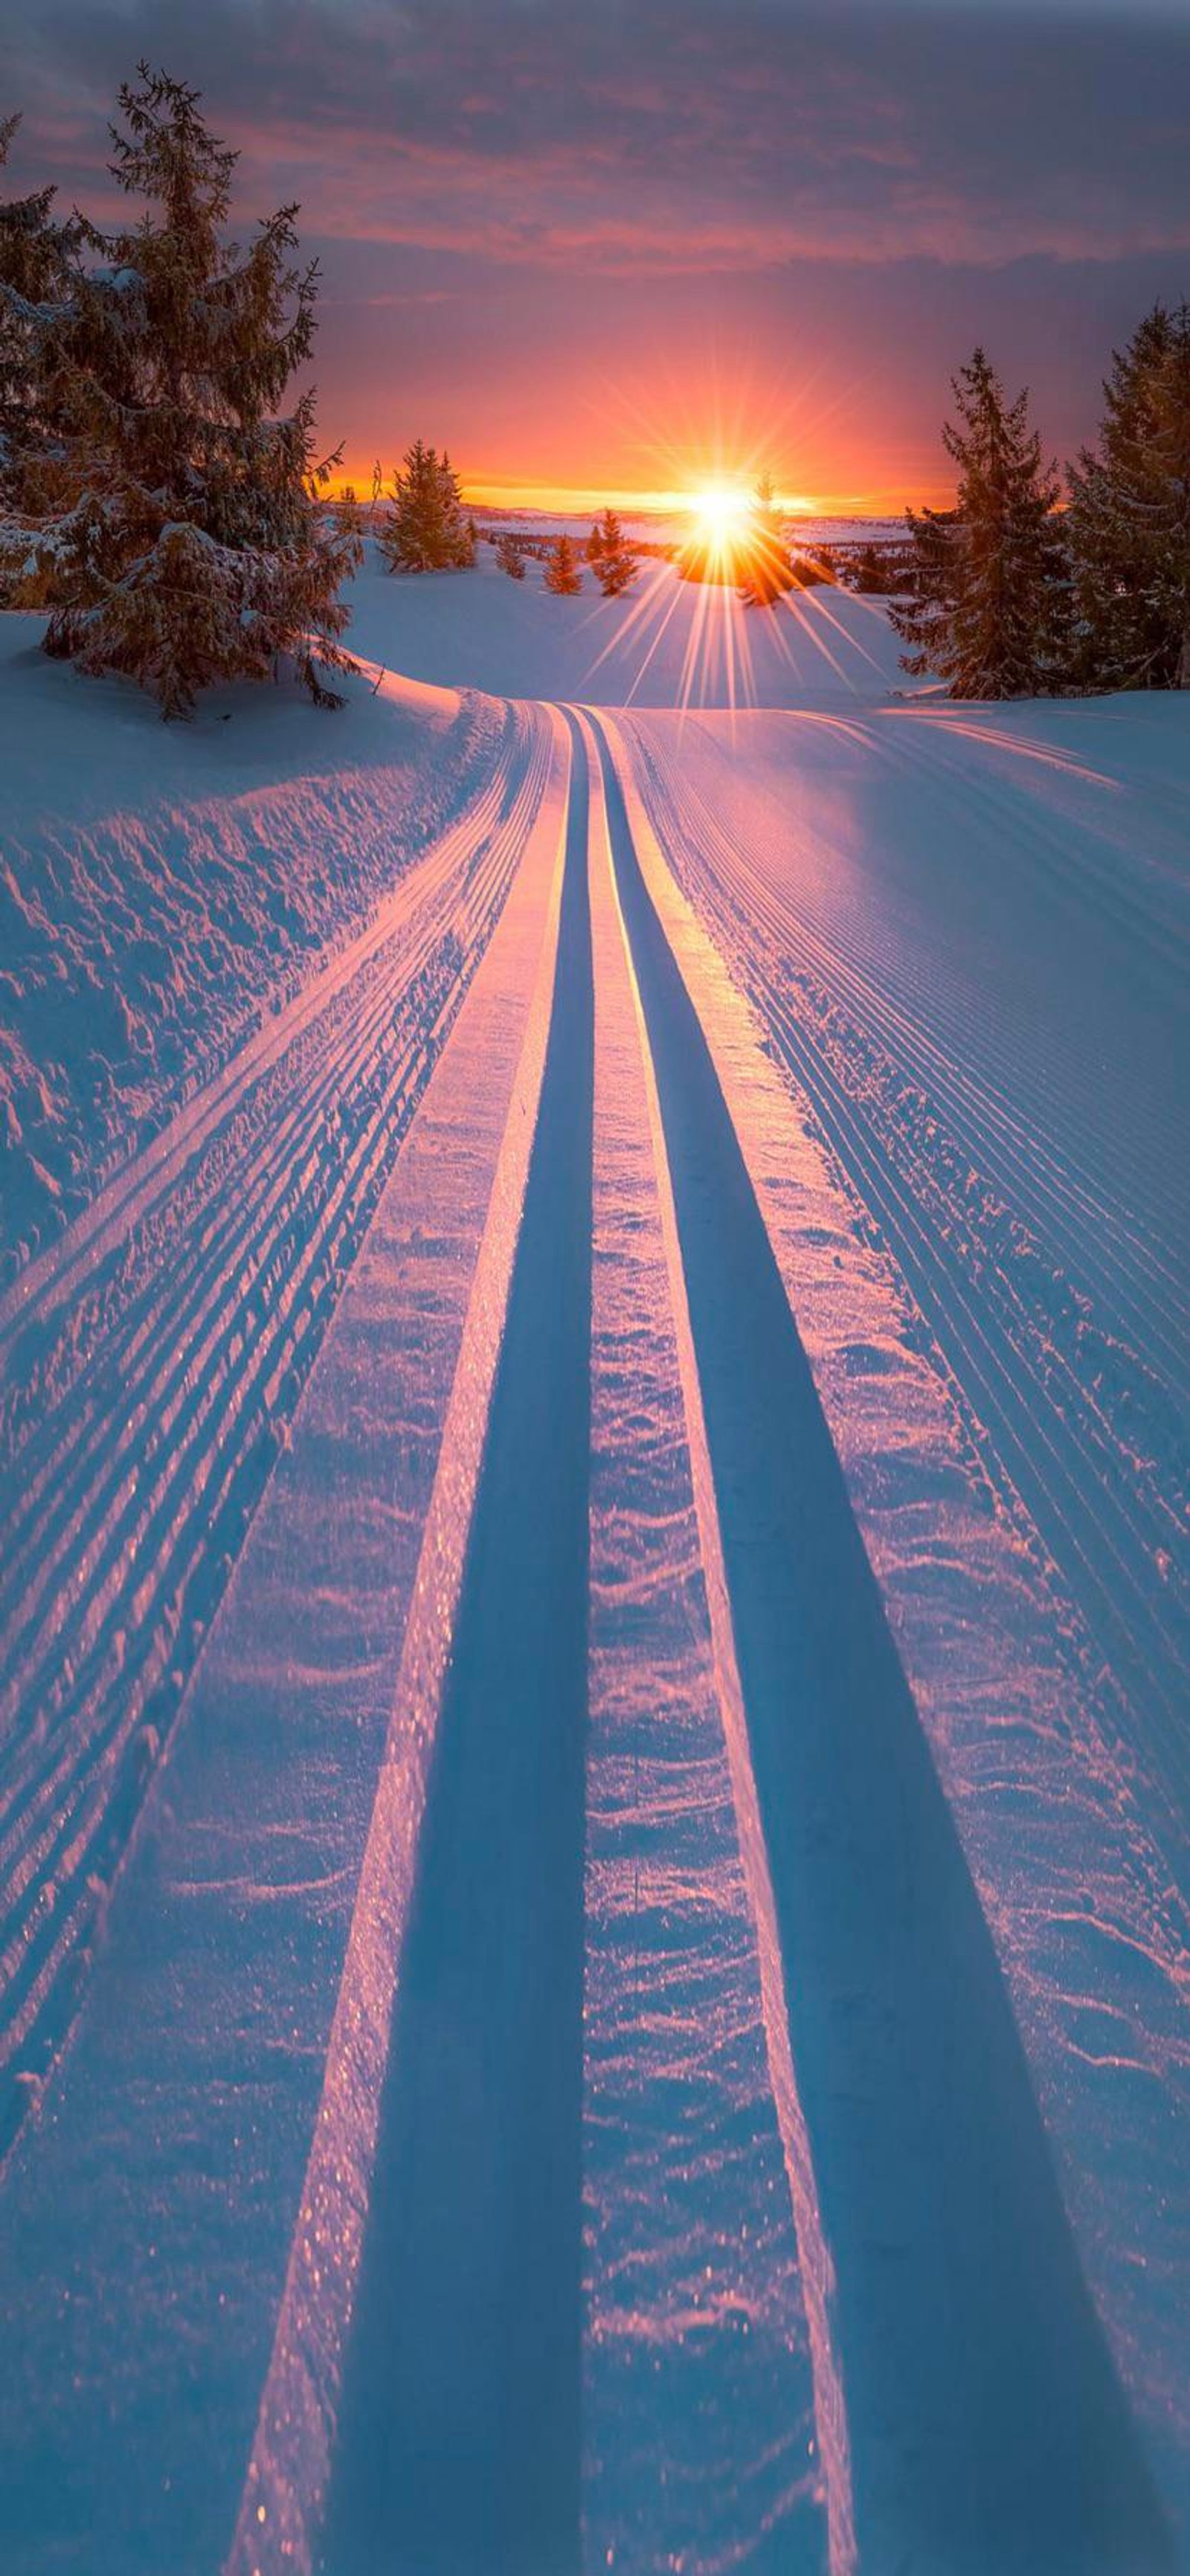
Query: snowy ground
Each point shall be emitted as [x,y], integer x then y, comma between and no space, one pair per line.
[594,1783]
[670,643]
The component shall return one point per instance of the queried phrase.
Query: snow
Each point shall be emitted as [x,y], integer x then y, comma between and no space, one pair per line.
[672,527]
[761,1958]
[698,2191]
[160,886]
[667,643]
[1069,1833]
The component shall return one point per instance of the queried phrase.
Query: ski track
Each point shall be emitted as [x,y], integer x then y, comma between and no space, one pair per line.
[1057,1821]
[197,2177]
[697,2322]
[1061,1318]
[198,1289]
[950,2269]
[458,2430]
[669,2154]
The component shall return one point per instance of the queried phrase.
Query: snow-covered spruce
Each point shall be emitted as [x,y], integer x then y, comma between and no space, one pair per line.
[37,258]
[1129,520]
[426,528]
[988,608]
[178,536]
[563,572]
[768,571]
[611,558]
[511,558]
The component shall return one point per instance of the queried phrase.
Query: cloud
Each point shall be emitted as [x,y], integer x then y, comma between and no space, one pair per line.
[672,135]
[521,204]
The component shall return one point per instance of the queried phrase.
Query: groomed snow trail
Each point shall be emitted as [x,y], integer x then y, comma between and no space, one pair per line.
[986,2424]
[566,1846]
[704,2351]
[192,2197]
[1005,942]
[148,1360]
[458,2436]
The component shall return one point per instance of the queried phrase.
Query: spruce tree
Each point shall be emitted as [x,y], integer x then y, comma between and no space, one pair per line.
[767,570]
[563,575]
[347,513]
[410,535]
[510,558]
[38,261]
[871,572]
[1129,517]
[611,557]
[989,595]
[425,528]
[189,542]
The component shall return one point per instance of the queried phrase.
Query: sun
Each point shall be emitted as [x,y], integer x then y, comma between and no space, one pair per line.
[720,511]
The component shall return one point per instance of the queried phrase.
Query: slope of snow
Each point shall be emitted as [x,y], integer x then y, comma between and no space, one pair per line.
[708,2286]
[163,886]
[152,2256]
[666,643]
[969,936]
[1073,1839]
[593,1794]
[198,1284]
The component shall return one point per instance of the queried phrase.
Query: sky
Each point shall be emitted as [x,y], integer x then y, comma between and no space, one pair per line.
[613,248]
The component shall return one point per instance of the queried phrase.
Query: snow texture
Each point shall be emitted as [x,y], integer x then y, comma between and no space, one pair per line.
[594,1600]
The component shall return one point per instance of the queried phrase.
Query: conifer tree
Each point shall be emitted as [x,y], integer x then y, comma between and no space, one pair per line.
[810,572]
[410,536]
[510,558]
[1129,517]
[870,575]
[425,528]
[989,598]
[611,557]
[563,574]
[38,258]
[348,513]
[189,544]
[767,570]
[458,526]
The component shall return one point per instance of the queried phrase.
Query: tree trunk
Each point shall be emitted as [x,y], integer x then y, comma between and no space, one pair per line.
[1182,674]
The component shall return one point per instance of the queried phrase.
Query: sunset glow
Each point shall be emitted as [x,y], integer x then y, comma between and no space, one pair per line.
[721,513]
[594,1288]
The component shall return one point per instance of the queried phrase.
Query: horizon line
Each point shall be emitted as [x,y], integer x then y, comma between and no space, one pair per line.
[585,500]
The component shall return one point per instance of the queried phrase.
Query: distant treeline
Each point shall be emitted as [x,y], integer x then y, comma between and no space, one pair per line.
[174,521]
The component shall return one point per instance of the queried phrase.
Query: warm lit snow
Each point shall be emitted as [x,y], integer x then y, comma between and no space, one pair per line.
[595,1635]
[667,642]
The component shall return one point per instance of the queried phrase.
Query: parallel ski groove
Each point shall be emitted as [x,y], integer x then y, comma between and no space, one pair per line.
[98,1604]
[961,2311]
[816,2270]
[286,2487]
[1093,1511]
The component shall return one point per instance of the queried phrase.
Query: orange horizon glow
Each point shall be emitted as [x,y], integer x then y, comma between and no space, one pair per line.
[586,500]
[661,437]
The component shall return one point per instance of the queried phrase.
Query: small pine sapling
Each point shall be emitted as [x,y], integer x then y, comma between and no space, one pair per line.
[563,574]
